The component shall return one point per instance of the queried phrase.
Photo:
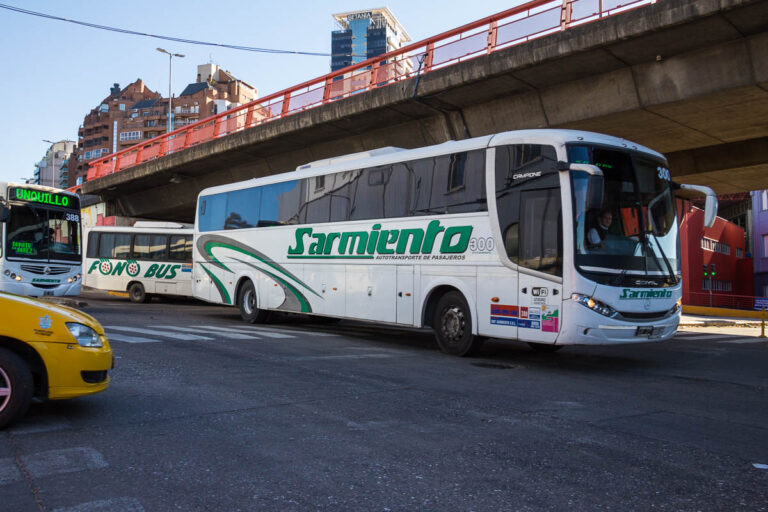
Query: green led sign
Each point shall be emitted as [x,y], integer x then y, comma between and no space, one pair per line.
[42,197]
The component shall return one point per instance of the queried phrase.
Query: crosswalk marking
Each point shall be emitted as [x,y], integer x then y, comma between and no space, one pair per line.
[156,333]
[262,330]
[176,336]
[228,334]
[111,336]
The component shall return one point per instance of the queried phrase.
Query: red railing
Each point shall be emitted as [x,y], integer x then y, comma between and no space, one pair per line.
[514,26]
[723,300]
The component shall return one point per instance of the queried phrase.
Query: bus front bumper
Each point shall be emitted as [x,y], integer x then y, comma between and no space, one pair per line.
[592,328]
[30,290]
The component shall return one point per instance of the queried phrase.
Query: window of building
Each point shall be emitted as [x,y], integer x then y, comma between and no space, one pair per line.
[713,245]
[122,107]
[134,135]
[739,252]
[764,200]
[103,107]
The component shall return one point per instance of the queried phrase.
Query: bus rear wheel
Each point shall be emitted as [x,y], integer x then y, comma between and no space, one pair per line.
[246,300]
[16,387]
[453,326]
[137,294]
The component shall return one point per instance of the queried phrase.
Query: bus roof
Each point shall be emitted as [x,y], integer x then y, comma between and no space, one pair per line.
[392,155]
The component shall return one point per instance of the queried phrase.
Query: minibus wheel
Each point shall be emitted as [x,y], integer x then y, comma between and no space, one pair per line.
[16,387]
[453,326]
[246,300]
[136,293]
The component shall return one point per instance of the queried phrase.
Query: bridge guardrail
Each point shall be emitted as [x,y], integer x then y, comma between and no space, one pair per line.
[520,24]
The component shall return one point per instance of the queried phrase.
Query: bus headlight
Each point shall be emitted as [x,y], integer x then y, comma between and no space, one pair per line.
[85,336]
[74,279]
[594,305]
[12,275]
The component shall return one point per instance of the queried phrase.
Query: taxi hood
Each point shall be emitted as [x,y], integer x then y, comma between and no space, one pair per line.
[65,313]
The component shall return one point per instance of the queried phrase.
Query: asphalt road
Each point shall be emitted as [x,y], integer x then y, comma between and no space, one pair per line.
[206,413]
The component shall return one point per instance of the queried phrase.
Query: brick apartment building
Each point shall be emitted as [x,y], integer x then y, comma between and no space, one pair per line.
[135,113]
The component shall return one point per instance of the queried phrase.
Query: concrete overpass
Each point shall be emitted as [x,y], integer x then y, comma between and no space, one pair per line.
[688,78]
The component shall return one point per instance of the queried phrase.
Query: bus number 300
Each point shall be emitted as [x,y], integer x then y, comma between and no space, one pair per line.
[481,244]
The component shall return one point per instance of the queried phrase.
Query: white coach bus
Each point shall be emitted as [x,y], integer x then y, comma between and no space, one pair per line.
[552,237]
[39,240]
[146,259]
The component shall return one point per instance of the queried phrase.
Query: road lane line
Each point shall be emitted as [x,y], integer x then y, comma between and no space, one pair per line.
[111,505]
[173,335]
[68,460]
[111,336]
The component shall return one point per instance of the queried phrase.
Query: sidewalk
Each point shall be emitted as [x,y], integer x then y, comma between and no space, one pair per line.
[718,321]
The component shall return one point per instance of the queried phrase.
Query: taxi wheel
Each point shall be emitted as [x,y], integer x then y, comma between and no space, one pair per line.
[453,326]
[246,300]
[16,387]
[137,294]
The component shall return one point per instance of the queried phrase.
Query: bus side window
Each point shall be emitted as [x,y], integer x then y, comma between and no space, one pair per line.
[115,246]
[158,249]
[181,248]
[141,247]
[93,245]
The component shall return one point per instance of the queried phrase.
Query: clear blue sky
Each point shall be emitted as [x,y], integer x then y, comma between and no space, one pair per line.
[56,72]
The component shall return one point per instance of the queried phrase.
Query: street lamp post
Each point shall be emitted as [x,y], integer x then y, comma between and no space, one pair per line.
[169,124]
[53,158]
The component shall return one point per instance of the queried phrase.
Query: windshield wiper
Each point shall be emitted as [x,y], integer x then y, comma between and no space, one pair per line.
[648,248]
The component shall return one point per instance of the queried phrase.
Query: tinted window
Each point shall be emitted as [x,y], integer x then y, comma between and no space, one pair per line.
[243,208]
[114,245]
[211,212]
[93,245]
[150,247]
[528,206]
[181,248]
[280,204]
[540,231]
[448,184]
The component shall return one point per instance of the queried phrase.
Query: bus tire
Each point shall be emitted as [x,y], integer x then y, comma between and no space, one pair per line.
[16,387]
[246,301]
[544,347]
[137,294]
[453,326]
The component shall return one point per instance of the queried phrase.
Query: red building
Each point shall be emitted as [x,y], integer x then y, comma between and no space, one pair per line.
[721,249]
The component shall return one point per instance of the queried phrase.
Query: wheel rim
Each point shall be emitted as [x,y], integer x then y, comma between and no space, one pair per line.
[249,302]
[5,389]
[453,324]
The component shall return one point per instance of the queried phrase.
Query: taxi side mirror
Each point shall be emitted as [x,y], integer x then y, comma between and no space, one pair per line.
[5,213]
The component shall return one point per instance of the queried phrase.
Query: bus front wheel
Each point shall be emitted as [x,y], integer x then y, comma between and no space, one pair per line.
[16,387]
[137,294]
[453,326]
[247,301]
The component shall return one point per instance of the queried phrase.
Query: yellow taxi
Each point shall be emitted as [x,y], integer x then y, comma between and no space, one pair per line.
[49,352]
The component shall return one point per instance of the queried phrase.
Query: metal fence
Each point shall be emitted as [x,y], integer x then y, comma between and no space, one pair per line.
[514,26]
[722,300]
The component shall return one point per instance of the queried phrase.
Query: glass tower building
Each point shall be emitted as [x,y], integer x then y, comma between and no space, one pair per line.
[365,34]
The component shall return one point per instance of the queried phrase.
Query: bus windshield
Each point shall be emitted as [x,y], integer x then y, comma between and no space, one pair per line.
[44,234]
[634,234]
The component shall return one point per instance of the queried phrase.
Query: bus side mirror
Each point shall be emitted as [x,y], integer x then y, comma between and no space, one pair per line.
[5,214]
[710,201]
[595,185]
